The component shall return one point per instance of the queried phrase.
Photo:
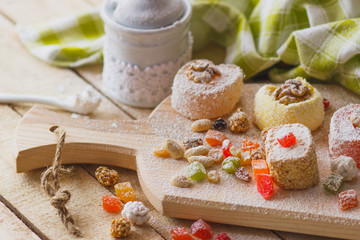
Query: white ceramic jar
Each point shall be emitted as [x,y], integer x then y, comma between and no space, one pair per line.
[147,41]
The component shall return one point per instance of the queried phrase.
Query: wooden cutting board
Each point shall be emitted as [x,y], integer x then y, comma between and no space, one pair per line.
[130,144]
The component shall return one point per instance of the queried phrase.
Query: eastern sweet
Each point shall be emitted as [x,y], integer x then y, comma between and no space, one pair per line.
[203,90]
[344,137]
[293,166]
[295,101]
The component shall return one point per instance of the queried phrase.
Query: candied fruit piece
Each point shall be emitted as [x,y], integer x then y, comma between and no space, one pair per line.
[120,228]
[348,199]
[111,203]
[226,144]
[213,176]
[264,185]
[125,192]
[248,145]
[287,140]
[242,174]
[180,233]
[195,171]
[231,164]
[222,236]
[160,151]
[333,182]
[259,166]
[201,229]
[219,124]
[106,176]
[326,103]
[245,158]
[234,151]
[214,137]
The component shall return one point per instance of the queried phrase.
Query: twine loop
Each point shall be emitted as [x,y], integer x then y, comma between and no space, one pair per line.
[51,185]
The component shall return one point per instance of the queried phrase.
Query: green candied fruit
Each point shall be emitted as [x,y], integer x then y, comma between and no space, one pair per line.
[231,164]
[333,182]
[195,171]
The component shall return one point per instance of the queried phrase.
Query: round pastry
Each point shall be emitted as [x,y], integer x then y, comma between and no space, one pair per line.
[295,101]
[344,136]
[295,166]
[203,90]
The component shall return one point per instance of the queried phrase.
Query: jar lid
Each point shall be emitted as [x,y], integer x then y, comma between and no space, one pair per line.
[146,14]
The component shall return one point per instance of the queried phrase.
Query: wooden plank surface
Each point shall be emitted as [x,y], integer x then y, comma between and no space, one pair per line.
[22,73]
[13,228]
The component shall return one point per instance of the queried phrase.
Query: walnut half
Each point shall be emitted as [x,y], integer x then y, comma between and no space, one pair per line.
[292,91]
[201,72]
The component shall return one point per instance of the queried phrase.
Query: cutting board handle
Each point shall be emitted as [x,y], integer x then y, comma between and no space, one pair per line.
[87,141]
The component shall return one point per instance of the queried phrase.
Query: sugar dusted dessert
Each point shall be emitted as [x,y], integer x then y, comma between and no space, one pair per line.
[295,101]
[291,156]
[344,137]
[203,90]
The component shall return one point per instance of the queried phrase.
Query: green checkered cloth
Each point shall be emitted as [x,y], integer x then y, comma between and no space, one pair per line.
[316,39]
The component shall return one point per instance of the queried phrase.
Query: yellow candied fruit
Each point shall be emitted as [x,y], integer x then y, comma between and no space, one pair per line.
[125,192]
[245,158]
[160,151]
[236,152]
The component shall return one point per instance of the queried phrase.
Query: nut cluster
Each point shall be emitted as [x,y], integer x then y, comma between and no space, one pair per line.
[106,176]
[239,121]
[259,154]
[120,227]
[292,91]
[201,72]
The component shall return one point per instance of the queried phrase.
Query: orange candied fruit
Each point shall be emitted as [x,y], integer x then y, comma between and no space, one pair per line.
[259,166]
[160,151]
[112,203]
[214,137]
[125,192]
[248,145]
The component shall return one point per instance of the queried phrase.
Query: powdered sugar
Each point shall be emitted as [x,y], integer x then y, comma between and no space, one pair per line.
[84,102]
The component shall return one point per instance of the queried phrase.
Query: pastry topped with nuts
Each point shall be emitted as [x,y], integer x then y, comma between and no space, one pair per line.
[295,101]
[204,90]
[292,91]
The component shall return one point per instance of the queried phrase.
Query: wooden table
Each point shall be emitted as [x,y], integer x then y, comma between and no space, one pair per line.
[25,211]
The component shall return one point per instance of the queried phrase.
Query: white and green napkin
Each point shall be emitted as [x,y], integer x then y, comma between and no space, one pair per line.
[316,39]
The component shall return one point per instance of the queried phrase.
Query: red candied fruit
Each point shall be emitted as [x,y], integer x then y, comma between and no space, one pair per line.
[201,229]
[248,145]
[264,185]
[222,236]
[348,199]
[326,103]
[226,144]
[287,140]
[180,233]
[111,203]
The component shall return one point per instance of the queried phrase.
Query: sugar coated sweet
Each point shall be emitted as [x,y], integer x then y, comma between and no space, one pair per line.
[270,112]
[344,138]
[136,212]
[344,166]
[348,199]
[293,167]
[212,98]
